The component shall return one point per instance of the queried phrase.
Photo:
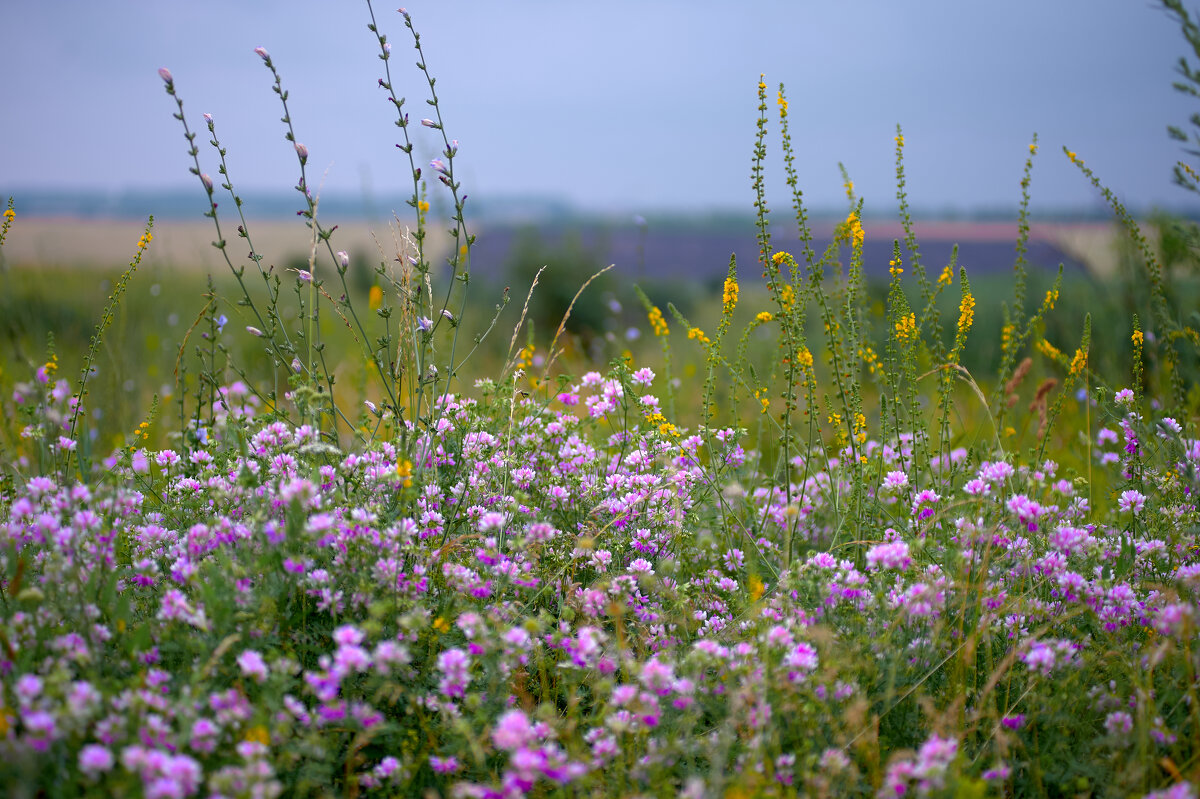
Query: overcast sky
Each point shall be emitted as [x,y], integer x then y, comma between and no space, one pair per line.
[636,105]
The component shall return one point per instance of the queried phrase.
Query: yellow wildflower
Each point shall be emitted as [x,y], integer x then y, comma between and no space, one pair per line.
[375,299]
[869,358]
[1074,159]
[899,139]
[698,334]
[258,734]
[906,328]
[668,429]
[966,313]
[423,206]
[657,323]
[850,191]
[787,295]
[1138,338]
[895,267]
[779,257]
[441,625]
[764,316]
[853,225]
[1079,361]
[805,357]
[1049,350]
[729,297]
[9,215]
[756,587]
[762,87]
[946,276]
[1033,149]
[1051,298]
[404,472]
[783,104]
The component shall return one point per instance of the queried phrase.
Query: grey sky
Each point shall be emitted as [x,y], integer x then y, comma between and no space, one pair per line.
[631,105]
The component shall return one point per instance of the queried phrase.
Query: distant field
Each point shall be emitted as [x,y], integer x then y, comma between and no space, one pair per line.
[679,251]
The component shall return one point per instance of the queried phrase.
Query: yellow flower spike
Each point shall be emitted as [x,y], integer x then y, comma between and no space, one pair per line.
[423,206]
[946,277]
[258,734]
[657,323]
[1079,361]
[896,268]
[764,316]
[1049,350]
[906,328]
[966,313]
[698,334]
[404,472]
[729,296]
[853,225]
[779,257]
[1137,338]
[1033,149]
[787,296]
[9,215]
[1051,298]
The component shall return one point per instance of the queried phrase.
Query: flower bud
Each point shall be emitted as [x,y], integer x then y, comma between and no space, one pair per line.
[296,365]
[438,165]
[262,53]
[304,275]
[302,151]
[254,331]
[343,258]
[165,74]
[452,148]
[207,181]
[387,49]
[208,119]
[429,123]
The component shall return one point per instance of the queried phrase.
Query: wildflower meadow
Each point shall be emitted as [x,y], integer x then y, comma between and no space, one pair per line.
[377,539]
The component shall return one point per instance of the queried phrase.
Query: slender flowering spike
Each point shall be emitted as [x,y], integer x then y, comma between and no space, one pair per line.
[262,53]
[343,258]
[165,74]
[301,151]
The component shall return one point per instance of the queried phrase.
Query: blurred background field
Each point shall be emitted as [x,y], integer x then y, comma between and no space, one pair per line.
[56,275]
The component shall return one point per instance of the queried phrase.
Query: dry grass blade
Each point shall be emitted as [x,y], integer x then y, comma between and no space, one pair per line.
[563,324]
